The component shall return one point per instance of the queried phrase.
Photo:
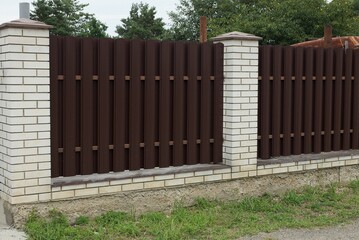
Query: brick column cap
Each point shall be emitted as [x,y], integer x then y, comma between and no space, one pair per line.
[25,23]
[236,36]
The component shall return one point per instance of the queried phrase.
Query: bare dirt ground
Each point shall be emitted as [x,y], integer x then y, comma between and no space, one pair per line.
[340,232]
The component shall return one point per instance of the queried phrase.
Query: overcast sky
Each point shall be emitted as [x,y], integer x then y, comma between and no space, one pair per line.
[108,11]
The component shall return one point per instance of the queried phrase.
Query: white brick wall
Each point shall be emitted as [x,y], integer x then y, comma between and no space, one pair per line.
[240,99]
[25,161]
[24,86]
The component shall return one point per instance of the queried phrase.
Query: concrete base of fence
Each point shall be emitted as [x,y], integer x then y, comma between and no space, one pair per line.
[163,199]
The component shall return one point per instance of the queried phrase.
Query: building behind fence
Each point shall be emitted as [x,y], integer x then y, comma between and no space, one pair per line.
[128,116]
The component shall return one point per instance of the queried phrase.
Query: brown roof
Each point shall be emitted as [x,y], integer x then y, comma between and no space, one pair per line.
[353,42]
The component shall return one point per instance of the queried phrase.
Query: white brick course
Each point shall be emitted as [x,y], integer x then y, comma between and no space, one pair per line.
[35,33]
[19,40]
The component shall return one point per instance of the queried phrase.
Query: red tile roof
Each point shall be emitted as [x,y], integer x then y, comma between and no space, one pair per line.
[353,42]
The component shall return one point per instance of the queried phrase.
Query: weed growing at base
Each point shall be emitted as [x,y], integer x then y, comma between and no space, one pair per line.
[309,207]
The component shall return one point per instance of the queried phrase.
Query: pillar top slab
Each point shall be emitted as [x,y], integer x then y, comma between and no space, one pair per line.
[25,23]
[236,36]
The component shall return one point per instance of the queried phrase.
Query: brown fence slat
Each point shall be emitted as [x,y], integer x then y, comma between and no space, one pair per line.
[218,103]
[328,100]
[69,163]
[164,110]
[318,108]
[205,100]
[265,100]
[86,106]
[355,136]
[178,109]
[347,98]
[55,166]
[298,98]
[121,58]
[276,103]
[150,101]
[104,109]
[287,101]
[308,100]
[135,105]
[338,99]
[192,104]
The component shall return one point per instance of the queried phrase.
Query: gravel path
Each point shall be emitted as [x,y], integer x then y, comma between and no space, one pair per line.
[8,233]
[340,232]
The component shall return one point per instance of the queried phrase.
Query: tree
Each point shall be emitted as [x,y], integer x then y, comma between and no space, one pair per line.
[68,18]
[94,28]
[141,24]
[185,20]
[276,21]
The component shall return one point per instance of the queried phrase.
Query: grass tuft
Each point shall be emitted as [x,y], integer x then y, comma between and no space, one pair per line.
[307,208]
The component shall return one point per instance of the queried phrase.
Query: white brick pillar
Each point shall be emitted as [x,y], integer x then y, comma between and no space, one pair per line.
[240,100]
[25,174]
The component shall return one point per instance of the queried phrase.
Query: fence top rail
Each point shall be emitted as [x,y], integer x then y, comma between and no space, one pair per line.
[305,78]
[306,47]
[140,40]
[112,77]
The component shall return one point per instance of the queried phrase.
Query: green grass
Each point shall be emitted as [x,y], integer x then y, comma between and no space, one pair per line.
[307,208]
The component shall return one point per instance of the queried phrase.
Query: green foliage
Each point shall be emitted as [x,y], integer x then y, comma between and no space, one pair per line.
[93,28]
[82,220]
[276,21]
[185,20]
[68,18]
[307,208]
[141,24]
[354,185]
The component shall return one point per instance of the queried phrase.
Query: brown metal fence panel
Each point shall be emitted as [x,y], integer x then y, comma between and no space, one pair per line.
[287,101]
[164,111]
[338,99]
[205,98]
[355,103]
[150,104]
[277,73]
[135,105]
[264,99]
[103,106]
[347,98]
[121,54]
[192,103]
[318,100]
[87,166]
[121,105]
[178,104]
[298,102]
[218,103]
[69,162]
[54,101]
[306,100]
[328,101]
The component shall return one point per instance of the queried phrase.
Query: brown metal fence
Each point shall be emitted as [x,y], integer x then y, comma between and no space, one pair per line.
[308,100]
[125,105]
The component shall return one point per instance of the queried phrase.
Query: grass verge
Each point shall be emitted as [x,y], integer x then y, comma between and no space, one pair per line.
[307,208]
